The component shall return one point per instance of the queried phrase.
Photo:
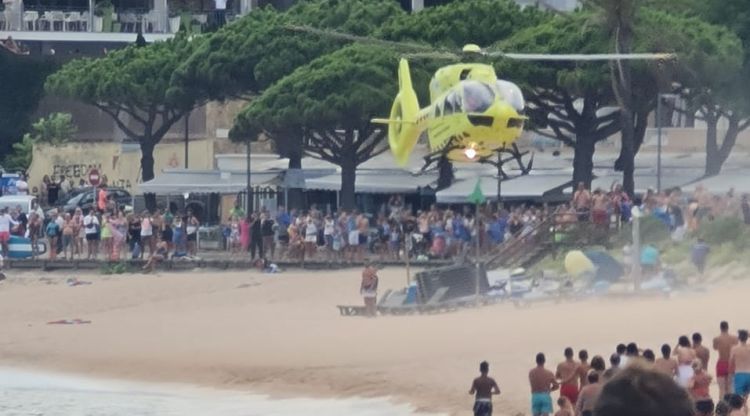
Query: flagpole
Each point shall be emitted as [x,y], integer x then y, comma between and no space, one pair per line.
[476,225]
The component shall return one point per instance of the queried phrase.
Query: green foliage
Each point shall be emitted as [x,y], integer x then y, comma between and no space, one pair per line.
[722,230]
[22,85]
[455,24]
[54,130]
[116,268]
[257,50]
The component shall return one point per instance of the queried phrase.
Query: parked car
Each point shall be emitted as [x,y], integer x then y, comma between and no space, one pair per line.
[85,200]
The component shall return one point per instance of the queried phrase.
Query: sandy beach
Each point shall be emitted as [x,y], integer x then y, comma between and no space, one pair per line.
[281,334]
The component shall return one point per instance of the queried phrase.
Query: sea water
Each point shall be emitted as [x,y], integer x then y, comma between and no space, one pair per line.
[24,393]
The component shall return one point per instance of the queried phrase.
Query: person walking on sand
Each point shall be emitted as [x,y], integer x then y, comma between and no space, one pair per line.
[369,289]
[483,387]
[700,351]
[567,374]
[723,345]
[739,365]
[666,364]
[699,255]
[583,367]
[698,387]
[542,383]
[685,356]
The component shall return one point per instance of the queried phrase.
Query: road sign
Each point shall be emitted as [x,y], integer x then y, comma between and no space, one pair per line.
[94,178]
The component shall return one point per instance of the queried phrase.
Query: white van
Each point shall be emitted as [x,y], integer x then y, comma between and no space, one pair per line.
[12,201]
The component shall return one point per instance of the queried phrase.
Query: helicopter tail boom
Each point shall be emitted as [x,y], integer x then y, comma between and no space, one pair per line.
[403,131]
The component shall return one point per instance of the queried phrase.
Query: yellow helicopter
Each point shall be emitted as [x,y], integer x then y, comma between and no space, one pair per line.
[472,114]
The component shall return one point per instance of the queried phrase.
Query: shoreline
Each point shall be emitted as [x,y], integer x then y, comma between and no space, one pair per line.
[281,334]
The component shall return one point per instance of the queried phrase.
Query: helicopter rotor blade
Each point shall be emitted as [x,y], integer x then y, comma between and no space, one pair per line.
[584,57]
[432,55]
[362,39]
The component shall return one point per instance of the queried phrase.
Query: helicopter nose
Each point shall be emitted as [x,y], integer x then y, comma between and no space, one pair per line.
[508,118]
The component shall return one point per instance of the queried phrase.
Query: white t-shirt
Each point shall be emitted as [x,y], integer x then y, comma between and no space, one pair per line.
[89,224]
[220,4]
[328,228]
[146,229]
[22,187]
[5,221]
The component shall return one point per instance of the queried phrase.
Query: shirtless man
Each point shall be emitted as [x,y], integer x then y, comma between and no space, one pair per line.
[542,383]
[685,356]
[739,365]
[700,351]
[484,387]
[567,374]
[583,367]
[723,344]
[582,202]
[599,209]
[666,364]
[588,395]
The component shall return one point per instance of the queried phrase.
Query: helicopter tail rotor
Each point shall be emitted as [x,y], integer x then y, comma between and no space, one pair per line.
[403,131]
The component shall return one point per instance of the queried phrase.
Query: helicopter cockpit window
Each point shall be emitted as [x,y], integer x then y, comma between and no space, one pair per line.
[452,103]
[511,94]
[478,97]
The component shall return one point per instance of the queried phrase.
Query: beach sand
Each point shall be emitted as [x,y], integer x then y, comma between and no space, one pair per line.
[282,334]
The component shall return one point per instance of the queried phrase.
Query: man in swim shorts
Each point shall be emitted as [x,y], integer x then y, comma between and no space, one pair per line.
[739,365]
[484,387]
[567,375]
[723,345]
[542,383]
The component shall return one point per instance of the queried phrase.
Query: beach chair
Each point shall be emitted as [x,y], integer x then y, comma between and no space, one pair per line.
[434,303]
[359,310]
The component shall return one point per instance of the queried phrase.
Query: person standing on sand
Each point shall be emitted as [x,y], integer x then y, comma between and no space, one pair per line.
[484,387]
[567,374]
[588,395]
[698,387]
[700,351]
[699,255]
[542,383]
[583,367]
[723,344]
[739,365]
[369,289]
[685,356]
[566,408]
[666,364]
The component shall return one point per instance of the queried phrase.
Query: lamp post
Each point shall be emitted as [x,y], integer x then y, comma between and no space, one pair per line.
[660,97]
[248,191]
[636,254]
[187,136]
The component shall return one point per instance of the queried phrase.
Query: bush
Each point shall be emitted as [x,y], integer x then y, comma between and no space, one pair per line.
[653,231]
[724,230]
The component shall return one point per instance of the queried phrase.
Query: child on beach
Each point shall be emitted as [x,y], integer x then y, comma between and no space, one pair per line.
[566,409]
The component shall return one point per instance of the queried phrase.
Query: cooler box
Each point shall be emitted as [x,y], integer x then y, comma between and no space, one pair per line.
[411,293]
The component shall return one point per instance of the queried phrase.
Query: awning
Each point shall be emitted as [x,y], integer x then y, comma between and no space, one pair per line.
[180,182]
[375,182]
[670,178]
[523,187]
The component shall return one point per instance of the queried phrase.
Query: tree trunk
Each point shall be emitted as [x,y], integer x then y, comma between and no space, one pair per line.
[147,170]
[627,153]
[583,159]
[716,155]
[348,179]
[445,173]
[296,196]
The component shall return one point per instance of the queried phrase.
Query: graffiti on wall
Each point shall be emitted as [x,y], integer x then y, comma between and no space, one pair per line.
[78,171]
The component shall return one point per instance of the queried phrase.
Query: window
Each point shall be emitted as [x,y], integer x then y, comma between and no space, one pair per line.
[478,97]
[452,103]
[511,94]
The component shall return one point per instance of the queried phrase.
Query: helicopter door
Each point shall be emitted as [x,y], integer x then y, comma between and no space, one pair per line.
[452,103]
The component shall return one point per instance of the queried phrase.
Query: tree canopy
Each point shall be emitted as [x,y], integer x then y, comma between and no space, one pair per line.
[133,82]
[55,129]
[22,88]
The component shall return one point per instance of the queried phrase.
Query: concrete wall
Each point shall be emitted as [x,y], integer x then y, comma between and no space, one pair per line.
[120,163]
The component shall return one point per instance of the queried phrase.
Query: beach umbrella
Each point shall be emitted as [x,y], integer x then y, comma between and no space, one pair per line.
[576,263]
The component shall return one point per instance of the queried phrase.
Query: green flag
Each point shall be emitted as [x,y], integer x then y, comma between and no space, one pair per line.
[476,196]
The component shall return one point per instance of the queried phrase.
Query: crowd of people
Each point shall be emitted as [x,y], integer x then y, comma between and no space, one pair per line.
[637,381]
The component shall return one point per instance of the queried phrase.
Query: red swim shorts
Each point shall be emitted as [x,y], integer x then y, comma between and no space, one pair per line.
[4,236]
[722,368]
[571,392]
